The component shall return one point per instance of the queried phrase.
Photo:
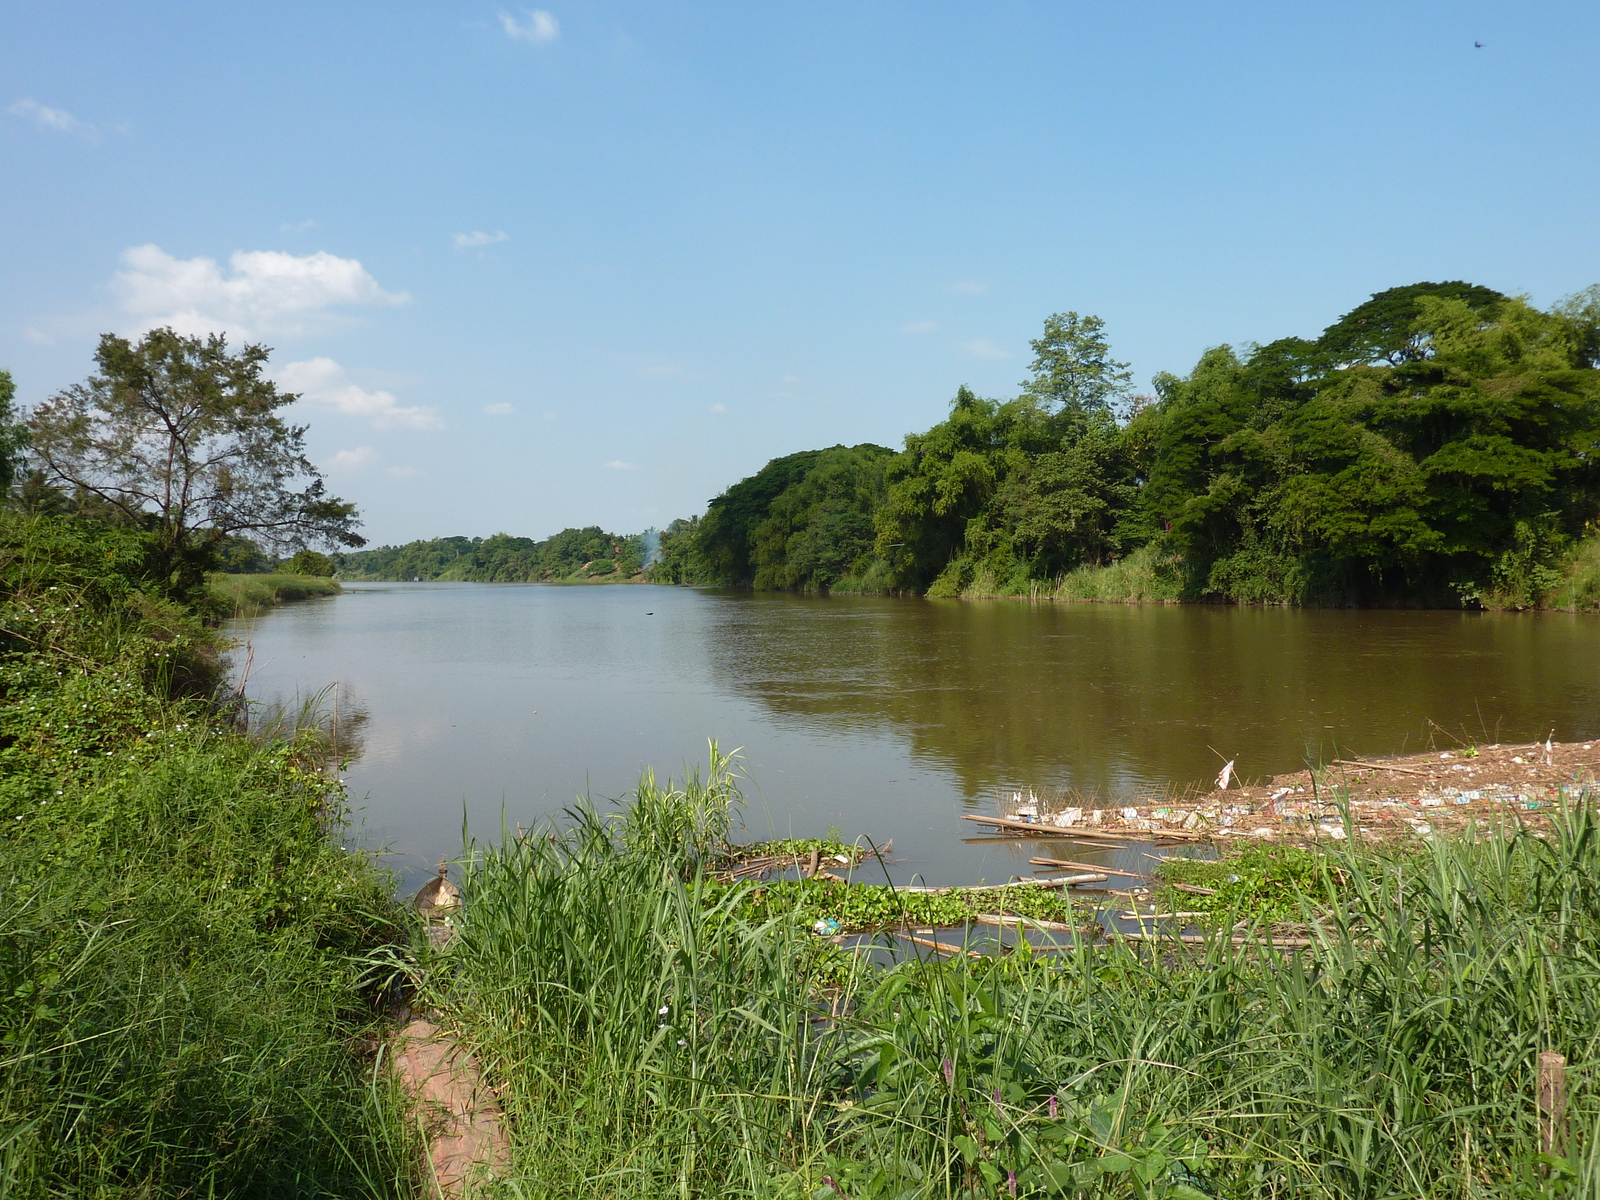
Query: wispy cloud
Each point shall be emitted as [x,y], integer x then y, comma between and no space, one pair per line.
[985,348]
[660,368]
[465,241]
[263,291]
[324,382]
[718,408]
[348,462]
[56,120]
[403,472]
[498,410]
[919,327]
[536,26]
[616,464]
[297,226]
[967,288]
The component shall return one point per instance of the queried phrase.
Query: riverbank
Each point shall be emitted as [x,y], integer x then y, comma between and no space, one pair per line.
[191,960]
[645,1033]
[252,595]
[1150,575]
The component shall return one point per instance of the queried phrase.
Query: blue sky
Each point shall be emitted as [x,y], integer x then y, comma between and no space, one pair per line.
[593,262]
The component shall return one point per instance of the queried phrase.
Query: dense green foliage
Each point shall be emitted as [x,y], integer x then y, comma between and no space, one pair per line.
[573,554]
[182,437]
[803,521]
[181,985]
[1437,444]
[310,562]
[653,1033]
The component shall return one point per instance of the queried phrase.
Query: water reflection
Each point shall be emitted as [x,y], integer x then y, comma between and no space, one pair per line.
[880,716]
[1114,699]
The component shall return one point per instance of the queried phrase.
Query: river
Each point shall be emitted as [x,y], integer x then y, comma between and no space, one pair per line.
[881,717]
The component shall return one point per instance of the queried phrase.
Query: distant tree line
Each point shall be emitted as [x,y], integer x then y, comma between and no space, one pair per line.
[572,554]
[1438,443]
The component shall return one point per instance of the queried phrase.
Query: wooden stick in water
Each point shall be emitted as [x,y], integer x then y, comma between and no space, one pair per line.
[941,947]
[1068,864]
[1064,881]
[1006,921]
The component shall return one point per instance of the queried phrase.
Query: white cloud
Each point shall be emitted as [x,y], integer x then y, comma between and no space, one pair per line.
[650,367]
[297,227]
[351,461]
[968,288]
[985,348]
[616,464]
[537,27]
[718,408]
[263,290]
[465,241]
[401,472]
[920,327]
[56,120]
[498,410]
[323,381]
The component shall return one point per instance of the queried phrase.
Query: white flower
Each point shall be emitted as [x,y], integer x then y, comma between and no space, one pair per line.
[663,1010]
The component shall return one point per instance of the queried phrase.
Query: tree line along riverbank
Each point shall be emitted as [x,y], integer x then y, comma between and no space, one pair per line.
[1435,446]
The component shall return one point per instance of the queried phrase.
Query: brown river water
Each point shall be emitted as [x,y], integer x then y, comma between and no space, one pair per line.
[885,718]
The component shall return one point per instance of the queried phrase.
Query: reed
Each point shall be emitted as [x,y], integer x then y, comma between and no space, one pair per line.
[253,595]
[653,1040]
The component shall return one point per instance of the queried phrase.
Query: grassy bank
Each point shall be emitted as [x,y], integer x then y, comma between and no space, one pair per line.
[1152,575]
[184,1009]
[252,595]
[652,1035]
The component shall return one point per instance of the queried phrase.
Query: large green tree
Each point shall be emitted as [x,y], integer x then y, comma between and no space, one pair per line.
[182,436]
[1073,368]
[1448,454]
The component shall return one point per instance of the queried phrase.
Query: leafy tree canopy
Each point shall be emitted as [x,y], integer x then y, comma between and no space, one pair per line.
[1073,368]
[181,436]
[1385,328]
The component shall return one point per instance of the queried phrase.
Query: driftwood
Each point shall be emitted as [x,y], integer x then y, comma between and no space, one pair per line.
[1200,939]
[1068,864]
[941,947]
[1064,881]
[1080,832]
[1376,766]
[1159,916]
[1194,889]
[1009,922]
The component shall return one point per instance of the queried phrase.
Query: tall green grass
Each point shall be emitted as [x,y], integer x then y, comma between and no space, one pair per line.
[1579,589]
[181,947]
[1147,575]
[252,595]
[185,1005]
[651,1042]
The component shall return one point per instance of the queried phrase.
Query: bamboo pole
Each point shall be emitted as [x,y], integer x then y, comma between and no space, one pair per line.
[1552,1102]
